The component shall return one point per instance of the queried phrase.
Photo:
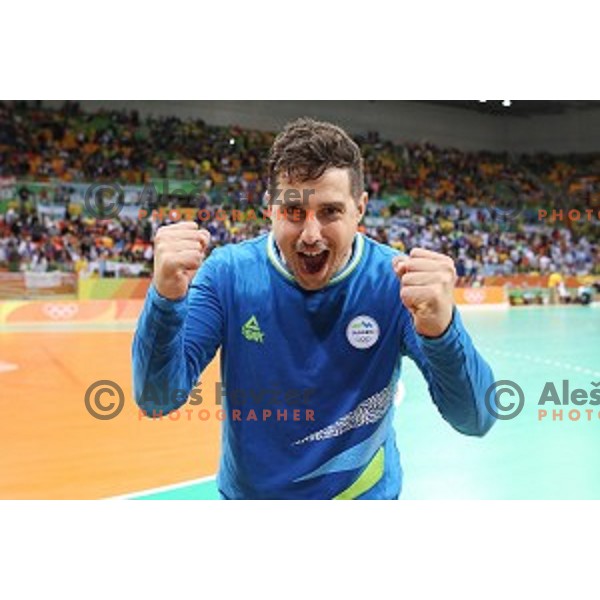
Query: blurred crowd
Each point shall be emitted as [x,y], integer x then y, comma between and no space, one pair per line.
[90,246]
[484,243]
[479,244]
[443,199]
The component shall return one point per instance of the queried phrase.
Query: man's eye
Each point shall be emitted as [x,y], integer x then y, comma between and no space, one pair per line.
[294,213]
[330,211]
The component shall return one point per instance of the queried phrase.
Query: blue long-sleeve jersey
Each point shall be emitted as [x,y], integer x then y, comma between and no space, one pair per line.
[329,360]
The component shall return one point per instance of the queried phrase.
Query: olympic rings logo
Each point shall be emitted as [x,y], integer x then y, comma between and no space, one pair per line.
[474,296]
[60,312]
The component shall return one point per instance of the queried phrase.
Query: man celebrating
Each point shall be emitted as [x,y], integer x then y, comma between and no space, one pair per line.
[319,314]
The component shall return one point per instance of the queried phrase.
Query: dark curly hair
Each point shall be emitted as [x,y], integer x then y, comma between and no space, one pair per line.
[306,148]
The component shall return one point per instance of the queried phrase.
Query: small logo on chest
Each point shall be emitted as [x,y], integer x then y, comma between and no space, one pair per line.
[251,330]
[362,332]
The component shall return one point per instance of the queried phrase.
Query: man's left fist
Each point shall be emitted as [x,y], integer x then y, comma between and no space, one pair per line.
[427,289]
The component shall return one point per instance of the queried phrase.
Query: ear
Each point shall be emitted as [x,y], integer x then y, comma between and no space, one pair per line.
[268,207]
[270,210]
[362,206]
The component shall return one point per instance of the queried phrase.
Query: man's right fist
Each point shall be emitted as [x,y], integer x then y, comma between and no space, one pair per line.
[179,250]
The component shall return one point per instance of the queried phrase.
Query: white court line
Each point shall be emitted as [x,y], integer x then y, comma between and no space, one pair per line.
[6,367]
[163,488]
[400,393]
[556,363]
[116,326]
[475,307]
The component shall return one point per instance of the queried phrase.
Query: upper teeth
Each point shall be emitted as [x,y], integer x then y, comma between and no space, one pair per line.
[313,253]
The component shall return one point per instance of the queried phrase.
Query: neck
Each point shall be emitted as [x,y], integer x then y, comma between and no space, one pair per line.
[345,261]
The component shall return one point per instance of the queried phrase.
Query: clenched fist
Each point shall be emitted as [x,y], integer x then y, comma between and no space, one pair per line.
[179,250]
[427,289]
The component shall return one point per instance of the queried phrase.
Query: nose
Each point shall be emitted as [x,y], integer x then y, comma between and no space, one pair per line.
[311,232]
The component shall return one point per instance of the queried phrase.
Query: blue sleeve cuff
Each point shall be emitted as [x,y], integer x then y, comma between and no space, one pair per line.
[171,311]
[449,340]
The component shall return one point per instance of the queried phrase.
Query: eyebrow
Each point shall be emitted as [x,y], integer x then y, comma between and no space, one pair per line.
[333,204]
[299,204]
[293,204]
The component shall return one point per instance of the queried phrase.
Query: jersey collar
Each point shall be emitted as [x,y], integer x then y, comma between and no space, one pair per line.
[276,259]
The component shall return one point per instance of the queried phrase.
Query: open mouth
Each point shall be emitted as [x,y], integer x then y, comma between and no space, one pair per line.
[313,262]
